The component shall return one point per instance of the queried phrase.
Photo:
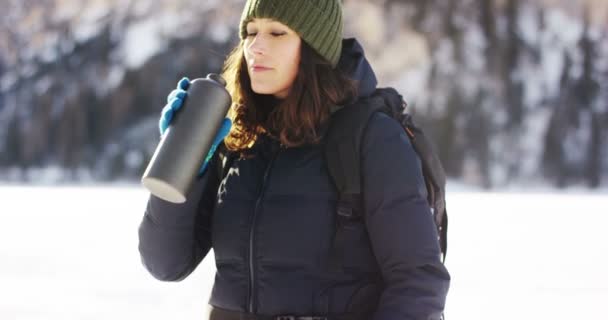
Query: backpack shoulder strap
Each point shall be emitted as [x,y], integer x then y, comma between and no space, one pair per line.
[343,160]
[343,143]
[345,135]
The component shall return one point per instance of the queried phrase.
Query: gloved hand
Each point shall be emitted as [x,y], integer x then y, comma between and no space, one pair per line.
[175,100]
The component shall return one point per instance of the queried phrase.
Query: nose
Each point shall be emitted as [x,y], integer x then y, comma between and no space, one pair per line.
[258,45]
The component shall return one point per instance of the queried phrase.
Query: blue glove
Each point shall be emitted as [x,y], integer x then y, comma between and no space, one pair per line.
[175,100]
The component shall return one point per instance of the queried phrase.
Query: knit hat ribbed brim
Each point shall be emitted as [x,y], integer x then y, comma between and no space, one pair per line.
[318,22]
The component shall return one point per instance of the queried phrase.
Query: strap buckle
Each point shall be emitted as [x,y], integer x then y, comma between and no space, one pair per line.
[345,211]
[346,206]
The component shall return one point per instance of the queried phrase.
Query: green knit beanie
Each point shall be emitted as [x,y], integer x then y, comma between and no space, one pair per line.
[318,22]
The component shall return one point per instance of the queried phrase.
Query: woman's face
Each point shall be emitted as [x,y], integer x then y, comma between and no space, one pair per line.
[272,52]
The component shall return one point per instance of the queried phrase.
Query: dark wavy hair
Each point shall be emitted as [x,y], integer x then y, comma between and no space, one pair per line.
[295,120]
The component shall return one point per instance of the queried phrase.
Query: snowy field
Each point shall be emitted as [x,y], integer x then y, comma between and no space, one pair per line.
[71,253]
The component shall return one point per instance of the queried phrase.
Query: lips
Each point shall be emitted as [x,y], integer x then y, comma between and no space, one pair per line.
[258,67]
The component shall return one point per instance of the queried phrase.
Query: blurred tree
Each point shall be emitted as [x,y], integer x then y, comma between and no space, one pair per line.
[587,94]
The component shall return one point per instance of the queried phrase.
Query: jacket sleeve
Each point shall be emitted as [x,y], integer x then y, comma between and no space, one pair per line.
[400,225]
[174,238]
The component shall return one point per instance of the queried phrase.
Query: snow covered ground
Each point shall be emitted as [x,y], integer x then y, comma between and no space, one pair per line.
[71,253]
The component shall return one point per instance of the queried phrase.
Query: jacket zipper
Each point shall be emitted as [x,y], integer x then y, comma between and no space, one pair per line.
[258,203]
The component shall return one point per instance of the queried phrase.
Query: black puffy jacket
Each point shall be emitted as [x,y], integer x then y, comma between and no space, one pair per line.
[271,222]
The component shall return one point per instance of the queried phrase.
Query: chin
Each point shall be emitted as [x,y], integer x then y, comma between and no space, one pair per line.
[263,91]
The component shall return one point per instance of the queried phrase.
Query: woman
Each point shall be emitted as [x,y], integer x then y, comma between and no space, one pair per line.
[269,214]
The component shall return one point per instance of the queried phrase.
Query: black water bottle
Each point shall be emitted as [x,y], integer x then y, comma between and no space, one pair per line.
[189,137]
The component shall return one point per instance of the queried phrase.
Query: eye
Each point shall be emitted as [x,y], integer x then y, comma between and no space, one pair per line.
[274,34]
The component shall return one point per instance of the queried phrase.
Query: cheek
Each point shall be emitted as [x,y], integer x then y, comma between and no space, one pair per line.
[246,55]
[296,53]
[293,61]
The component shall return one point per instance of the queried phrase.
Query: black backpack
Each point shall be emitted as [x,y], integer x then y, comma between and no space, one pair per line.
[343,160]
[342,148]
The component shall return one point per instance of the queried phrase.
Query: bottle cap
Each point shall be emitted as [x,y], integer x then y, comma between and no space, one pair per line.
[217,78]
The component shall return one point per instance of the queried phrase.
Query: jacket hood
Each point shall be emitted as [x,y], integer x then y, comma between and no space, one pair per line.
[355,65]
